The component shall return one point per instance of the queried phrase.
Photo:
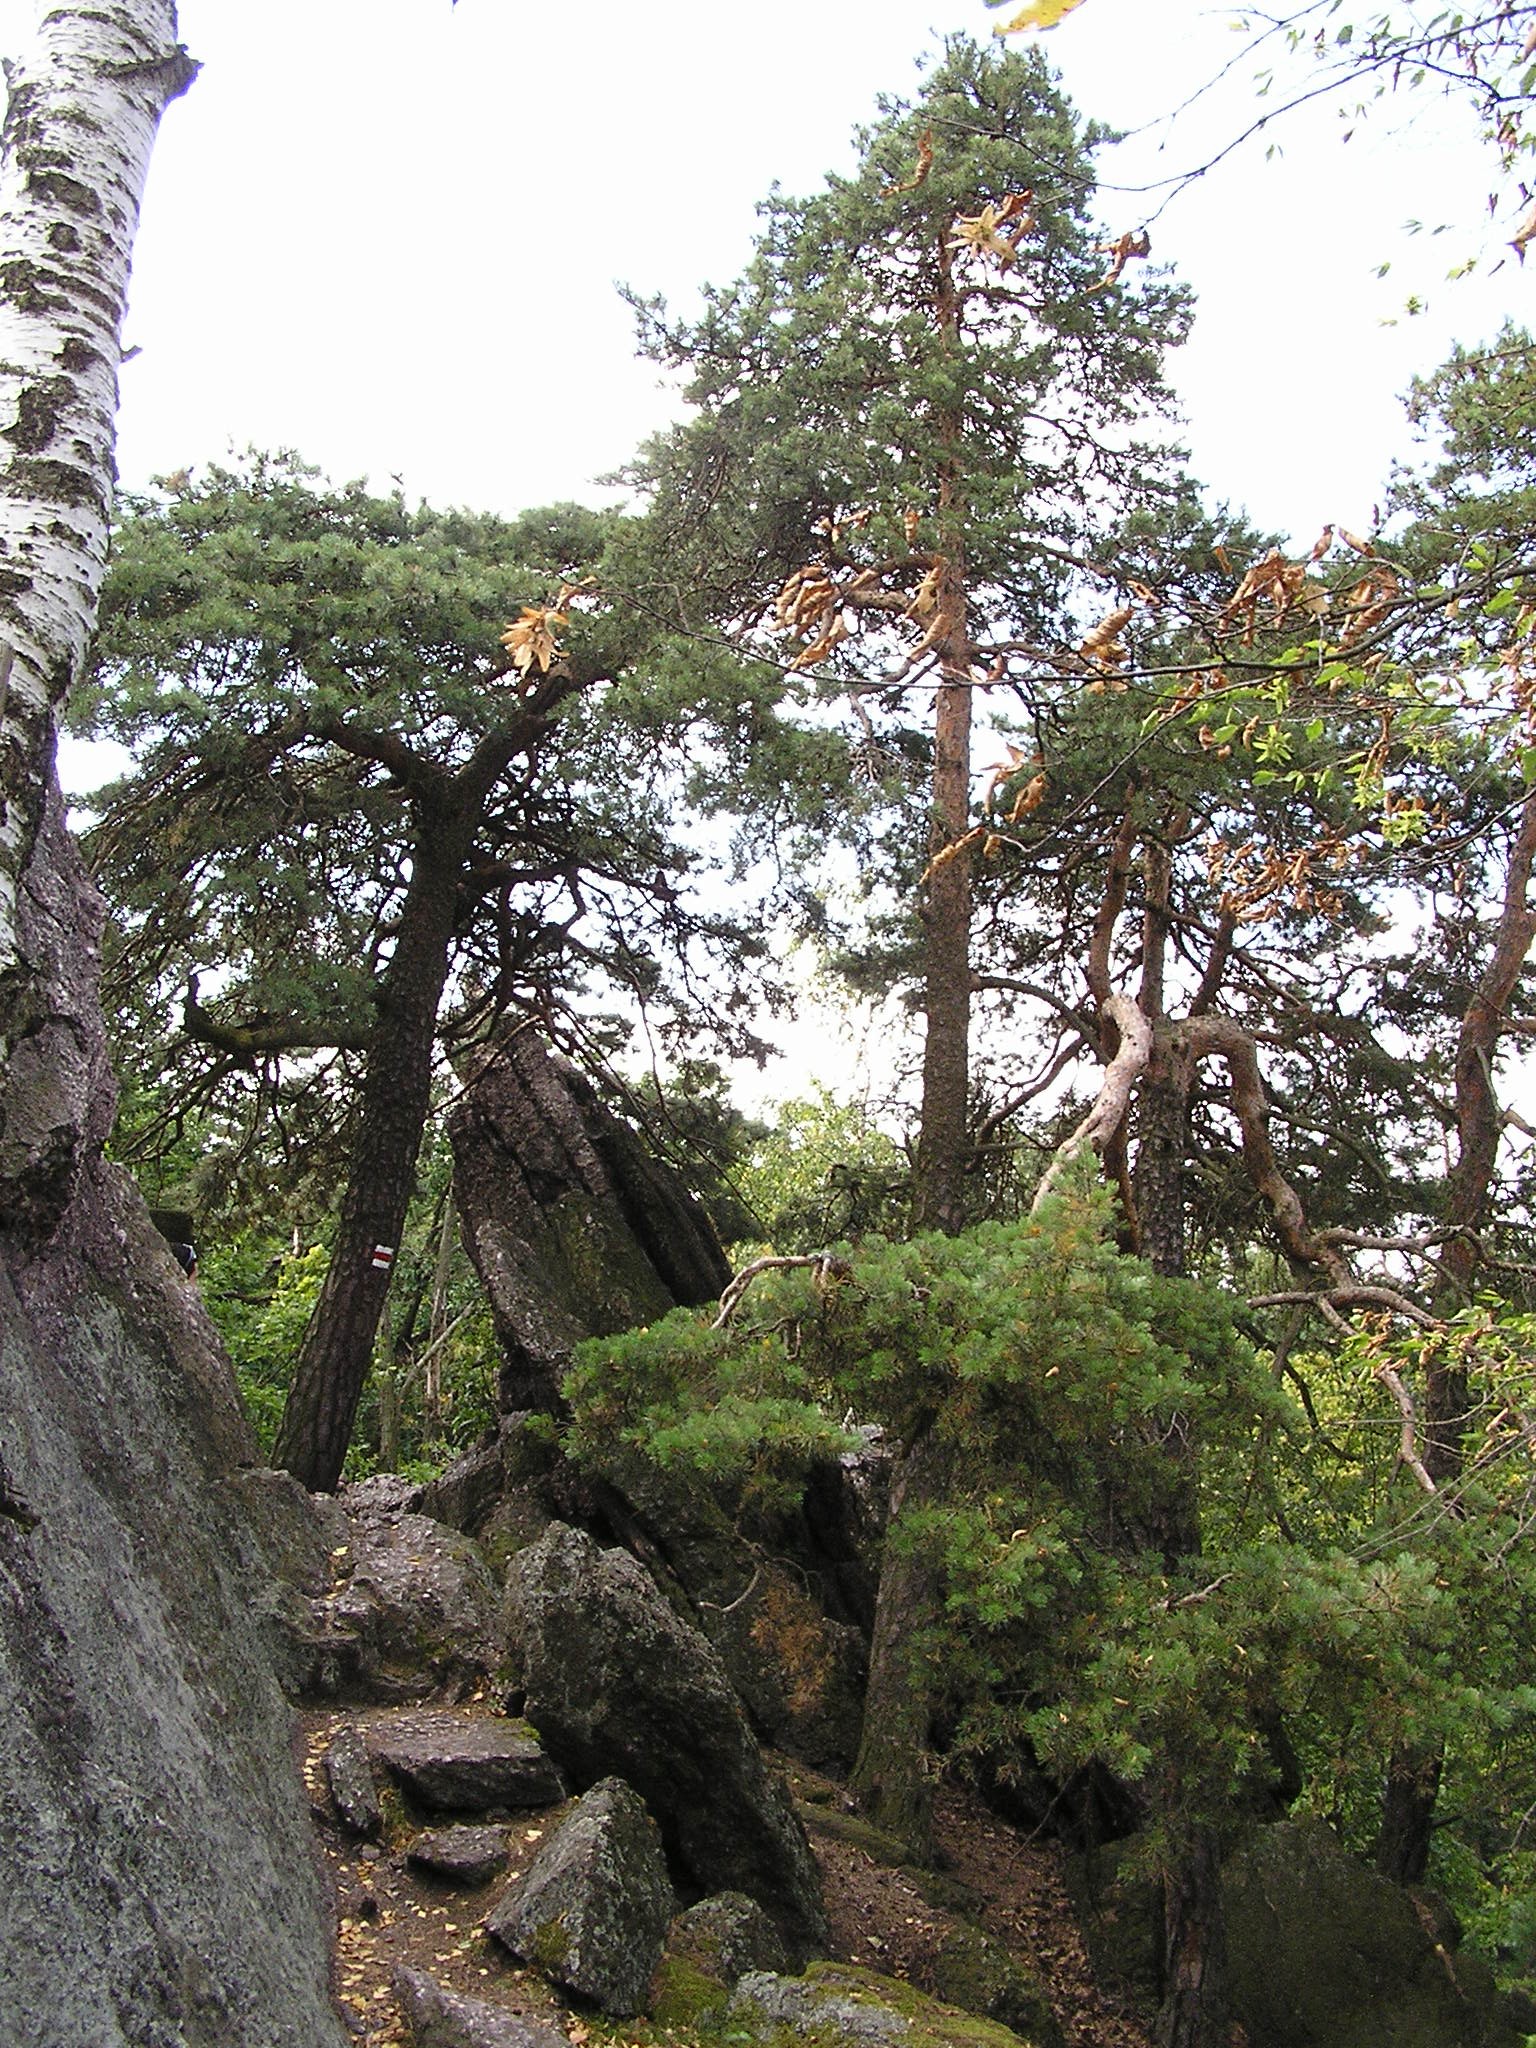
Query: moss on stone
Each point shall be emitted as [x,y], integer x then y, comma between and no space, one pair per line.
[549,1947]
[683,1997]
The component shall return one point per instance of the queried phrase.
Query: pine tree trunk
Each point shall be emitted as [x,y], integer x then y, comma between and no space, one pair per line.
[338,1344]
[1193,2013]
[894,1775]
[939,1197]
[1163,1131]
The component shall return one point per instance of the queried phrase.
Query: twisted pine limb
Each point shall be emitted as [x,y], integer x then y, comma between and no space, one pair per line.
[772,1262]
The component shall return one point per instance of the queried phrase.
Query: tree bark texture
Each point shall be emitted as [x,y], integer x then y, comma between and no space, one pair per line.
[939,1201]
[81,116]
[896,1770]
[943,1148]
[1193,2013]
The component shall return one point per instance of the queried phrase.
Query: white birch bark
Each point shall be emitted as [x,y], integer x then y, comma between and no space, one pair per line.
[84,101]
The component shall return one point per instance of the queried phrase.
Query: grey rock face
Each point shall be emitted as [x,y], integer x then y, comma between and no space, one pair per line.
[592,1911]
[616,1682]
[353,1792]
[467,1856]
[725,1937]
[454,1763]
[413,1609]
[441,2019]
[159,1881]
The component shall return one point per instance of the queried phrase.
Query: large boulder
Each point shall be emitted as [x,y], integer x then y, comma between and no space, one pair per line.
[1322,1952]
[373,1601]
[1326,1954]
[574,1229]
[615,1681]
[591,1911]
[160,1882]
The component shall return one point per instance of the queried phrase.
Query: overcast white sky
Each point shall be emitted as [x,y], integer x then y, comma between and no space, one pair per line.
[386,232]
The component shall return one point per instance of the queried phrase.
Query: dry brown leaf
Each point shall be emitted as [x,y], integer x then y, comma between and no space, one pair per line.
[924,166]
[1120,252]
[531,640]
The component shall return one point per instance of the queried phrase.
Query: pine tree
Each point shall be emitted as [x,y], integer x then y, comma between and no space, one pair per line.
[916,410]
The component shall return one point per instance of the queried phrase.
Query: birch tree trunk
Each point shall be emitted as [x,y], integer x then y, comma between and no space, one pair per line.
[156,1849]
[83,106]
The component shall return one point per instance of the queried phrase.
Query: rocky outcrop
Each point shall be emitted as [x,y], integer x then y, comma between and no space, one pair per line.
[615,1681]
[574,1229]
[159,1874]
[592,1911]
[373,1601]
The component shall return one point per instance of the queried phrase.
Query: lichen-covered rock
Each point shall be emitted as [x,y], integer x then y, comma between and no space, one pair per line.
[573,1229]
[725,1936]
[375,1601]
[353,1791]
[468,1856]
[592,1911]
[465,1763]
[443,2019]
[615,1681]
[413,1601]
[1326,1954]
[838,2002]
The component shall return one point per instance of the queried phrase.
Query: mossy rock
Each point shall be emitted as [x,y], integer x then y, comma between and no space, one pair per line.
[854,1832]
[684,1998]
[1326,1954]
[835,2003]
[980,1976]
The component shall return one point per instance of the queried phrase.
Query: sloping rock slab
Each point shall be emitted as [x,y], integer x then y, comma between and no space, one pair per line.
[617,1682]
[467,1856]
[834,2001]
[573,1229]
[441,2019]
[459,1763]
[593,1909]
